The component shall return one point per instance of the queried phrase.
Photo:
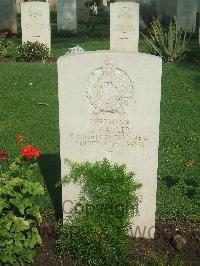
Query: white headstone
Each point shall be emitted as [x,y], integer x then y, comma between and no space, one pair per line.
[8,16]
[35,23]
[66,15]
[186,14]
[83,14]
[124,26]
[109,107]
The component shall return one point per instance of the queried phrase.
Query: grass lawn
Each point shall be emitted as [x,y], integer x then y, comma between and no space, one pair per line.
[29,104]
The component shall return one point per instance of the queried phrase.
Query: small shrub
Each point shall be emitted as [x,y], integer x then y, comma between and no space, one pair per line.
[19,211]
[32,51]
[168,43]
[5,45]
[96,232]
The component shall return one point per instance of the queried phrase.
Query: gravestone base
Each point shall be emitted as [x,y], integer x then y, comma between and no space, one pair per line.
[109,107]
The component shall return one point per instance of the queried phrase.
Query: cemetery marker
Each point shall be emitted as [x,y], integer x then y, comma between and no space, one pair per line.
[124,26]
[35,22]
[109,107]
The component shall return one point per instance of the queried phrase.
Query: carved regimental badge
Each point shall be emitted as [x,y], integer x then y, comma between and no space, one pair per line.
[109,89]
[126,12]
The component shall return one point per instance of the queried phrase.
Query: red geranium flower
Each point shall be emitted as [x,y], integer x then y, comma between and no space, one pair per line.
[3,155]
[20,137]
[5,33]
[30,152]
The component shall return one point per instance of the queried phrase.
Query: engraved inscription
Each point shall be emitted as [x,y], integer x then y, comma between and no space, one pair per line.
[126,12]
[109,89]
[68,22]
[124,39]
[35,12]
[125,20]
[109,131]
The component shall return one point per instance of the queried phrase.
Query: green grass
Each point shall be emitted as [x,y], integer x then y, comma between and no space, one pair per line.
[23,87]
[179,184]
[61,46]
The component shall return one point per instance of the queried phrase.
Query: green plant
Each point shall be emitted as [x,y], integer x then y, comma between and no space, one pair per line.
[97,230]
[168,43]
[19,211]
[32,51]
[5,45]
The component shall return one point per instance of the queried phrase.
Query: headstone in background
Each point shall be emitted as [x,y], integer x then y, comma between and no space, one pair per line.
[109,107]
[183,10]
[35,22]
[124,26]
[8,16]
[53,5]
[83,13]
[186,14]
[18,5]
[105,2]
[66,15]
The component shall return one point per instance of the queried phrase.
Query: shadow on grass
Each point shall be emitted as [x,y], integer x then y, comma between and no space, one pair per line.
[51,172]
[101,30]
[170,181]
[192,55]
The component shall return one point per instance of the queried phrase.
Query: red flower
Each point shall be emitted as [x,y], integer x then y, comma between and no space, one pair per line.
[30,152]
[3,155]
[14,37]
[20,137]
[5,33]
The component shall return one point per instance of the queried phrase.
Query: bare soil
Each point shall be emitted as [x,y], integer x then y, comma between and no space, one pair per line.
[172,244]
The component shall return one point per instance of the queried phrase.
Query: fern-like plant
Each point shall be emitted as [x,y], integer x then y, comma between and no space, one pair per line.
[96,232]
[168,43]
